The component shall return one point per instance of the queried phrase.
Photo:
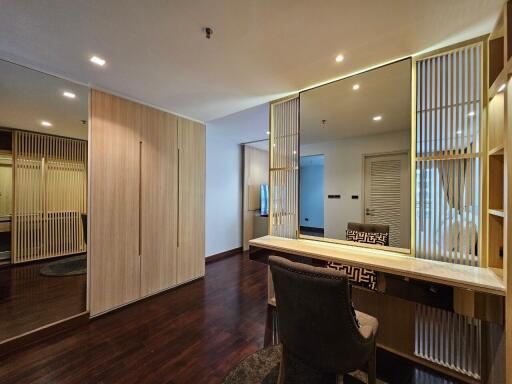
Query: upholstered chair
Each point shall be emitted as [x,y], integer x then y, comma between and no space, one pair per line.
[322,336]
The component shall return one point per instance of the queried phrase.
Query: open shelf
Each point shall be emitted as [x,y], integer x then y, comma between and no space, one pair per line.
[497,151]
[497,212]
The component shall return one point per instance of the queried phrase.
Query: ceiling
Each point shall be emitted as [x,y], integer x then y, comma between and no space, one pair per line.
[260,50]
[336,111]
[29,97]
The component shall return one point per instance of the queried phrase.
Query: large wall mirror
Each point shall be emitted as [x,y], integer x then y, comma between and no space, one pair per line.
[355,159]
[43,199]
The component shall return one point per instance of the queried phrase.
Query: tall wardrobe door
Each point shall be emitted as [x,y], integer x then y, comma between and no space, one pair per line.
[159,175]
[190,261]
[114,202]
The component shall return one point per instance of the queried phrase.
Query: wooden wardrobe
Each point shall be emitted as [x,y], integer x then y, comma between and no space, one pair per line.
[146,221]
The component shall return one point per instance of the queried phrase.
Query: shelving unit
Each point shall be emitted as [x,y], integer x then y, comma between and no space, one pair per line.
[499,70]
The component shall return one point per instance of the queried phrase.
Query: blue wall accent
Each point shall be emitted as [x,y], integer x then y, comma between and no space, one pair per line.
[312,191]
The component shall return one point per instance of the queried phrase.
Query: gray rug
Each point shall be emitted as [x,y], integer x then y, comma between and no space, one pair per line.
[70,266]
[262,367]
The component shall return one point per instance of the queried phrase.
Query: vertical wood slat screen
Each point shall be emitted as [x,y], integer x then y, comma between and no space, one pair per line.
[284,170]
[50,184]
[448,169]
[448,339]
[448,152]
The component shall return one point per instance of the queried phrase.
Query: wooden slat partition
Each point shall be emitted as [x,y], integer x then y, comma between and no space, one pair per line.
[284,168]
[50,184]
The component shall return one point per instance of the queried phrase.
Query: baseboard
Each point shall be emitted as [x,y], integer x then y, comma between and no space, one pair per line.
[43,333]
[223,255]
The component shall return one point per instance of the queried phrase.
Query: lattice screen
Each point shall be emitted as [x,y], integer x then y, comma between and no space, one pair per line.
[448,180]
[50,184]
[284,168]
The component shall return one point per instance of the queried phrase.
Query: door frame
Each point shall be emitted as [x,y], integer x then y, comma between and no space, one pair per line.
[364,156]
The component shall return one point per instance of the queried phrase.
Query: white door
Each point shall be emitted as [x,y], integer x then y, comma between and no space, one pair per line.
[387,192]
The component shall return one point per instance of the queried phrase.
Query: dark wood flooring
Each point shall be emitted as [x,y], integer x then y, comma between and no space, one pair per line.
[190,335]
[29,300]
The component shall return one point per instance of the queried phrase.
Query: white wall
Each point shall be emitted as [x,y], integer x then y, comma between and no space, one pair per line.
[344,175]
[223,221]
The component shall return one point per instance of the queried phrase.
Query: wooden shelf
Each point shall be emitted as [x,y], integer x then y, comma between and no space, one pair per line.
[497,151]
[496,212]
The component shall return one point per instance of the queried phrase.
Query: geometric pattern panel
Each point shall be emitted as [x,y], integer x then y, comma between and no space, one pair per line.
[360,276]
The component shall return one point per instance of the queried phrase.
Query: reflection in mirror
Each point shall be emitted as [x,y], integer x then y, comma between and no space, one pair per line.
[355,158]
[43,193]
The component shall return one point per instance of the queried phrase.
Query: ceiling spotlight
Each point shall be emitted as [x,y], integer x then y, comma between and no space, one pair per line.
[502,87]
[268,132]
[339,58]
[69,95]
[98,61]
[377,118]
[470,114]
[45,123]
[355,87]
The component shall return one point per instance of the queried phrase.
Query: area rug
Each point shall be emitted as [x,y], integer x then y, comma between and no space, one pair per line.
[262,367]
[70,266]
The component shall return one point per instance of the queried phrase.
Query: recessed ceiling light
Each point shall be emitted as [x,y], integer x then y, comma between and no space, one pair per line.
[68,94]
[45,123]
[339,58]
[268,132]
[502,87]
[377,118]
[472,113]
[98,61]
[355,87]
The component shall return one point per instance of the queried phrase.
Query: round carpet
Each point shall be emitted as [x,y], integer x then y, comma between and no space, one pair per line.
[262,367]
[70,266]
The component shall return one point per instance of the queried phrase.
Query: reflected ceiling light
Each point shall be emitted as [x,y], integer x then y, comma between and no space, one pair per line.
[355,87]
[68,94]
[459,132]
[339,58]
[98,61]
[294,152]
[502,87]
[268,132]
[472,113]
[45,123]
[377,118]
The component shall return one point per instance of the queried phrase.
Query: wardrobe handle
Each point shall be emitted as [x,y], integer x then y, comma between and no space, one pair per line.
[178,205]
[140,198]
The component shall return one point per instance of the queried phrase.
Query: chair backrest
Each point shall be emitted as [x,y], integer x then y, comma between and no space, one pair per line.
[315,316]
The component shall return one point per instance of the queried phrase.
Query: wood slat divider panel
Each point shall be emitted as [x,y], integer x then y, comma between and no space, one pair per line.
[191,200]
[114,212]
[159,180]
[48,196]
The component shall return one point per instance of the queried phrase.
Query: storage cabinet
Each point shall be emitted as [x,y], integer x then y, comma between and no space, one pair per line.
[191,136]
[146,201]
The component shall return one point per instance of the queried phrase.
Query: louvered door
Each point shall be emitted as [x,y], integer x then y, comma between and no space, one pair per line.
[387,199]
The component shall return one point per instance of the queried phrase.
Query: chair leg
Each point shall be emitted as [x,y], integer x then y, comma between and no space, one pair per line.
[372,365]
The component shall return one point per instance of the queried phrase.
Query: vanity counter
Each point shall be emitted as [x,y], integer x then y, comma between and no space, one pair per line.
[484,280]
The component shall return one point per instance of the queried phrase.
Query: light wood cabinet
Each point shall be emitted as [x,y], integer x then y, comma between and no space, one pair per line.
[146,201]
[191,199]
[114,202]
[159,180]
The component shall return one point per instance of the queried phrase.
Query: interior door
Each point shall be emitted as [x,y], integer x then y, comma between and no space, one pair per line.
[387,195]
[159,193]
[114,202]
[191,176]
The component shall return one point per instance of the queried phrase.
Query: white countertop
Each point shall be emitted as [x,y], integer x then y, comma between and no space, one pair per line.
[462,276]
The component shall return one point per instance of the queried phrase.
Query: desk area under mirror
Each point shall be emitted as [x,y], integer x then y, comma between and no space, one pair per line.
[383,176]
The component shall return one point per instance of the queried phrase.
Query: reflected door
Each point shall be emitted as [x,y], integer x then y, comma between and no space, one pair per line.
[387,196]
